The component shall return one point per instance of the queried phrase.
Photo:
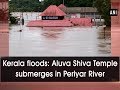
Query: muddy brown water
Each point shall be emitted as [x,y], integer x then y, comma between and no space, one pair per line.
[63,41]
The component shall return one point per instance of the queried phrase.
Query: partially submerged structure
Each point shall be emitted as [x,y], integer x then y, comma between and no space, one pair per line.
[80,12]
[83,12]
[55,16]
[51,17]
[53,13]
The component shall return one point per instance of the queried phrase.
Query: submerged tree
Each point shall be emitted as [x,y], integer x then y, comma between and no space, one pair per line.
[103,7]
[12,19]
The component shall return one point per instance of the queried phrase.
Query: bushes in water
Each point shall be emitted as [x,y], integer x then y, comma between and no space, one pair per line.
[13,20]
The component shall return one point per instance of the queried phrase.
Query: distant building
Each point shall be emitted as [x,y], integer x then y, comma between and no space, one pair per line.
[80,12]
[115,4]
[83,12]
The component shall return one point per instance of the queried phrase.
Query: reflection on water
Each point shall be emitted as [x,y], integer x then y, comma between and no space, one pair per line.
[104,41]
[52,33]
[58,41]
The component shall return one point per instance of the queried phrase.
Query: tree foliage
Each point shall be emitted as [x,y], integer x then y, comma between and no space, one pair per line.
[35,5]
[103,7]
[24,5]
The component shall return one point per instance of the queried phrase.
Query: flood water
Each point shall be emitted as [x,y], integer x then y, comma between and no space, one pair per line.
[60,41]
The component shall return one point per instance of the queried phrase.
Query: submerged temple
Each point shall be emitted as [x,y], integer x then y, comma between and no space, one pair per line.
[55,16]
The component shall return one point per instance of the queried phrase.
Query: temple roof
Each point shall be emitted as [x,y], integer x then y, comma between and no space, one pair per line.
[62,6]
[53,10]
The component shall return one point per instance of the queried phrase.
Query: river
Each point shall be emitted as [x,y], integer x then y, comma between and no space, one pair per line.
[67,41]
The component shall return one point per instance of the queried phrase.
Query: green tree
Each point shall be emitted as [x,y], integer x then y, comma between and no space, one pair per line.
[79,3]
[35,5]
[103,7]
[24,5]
